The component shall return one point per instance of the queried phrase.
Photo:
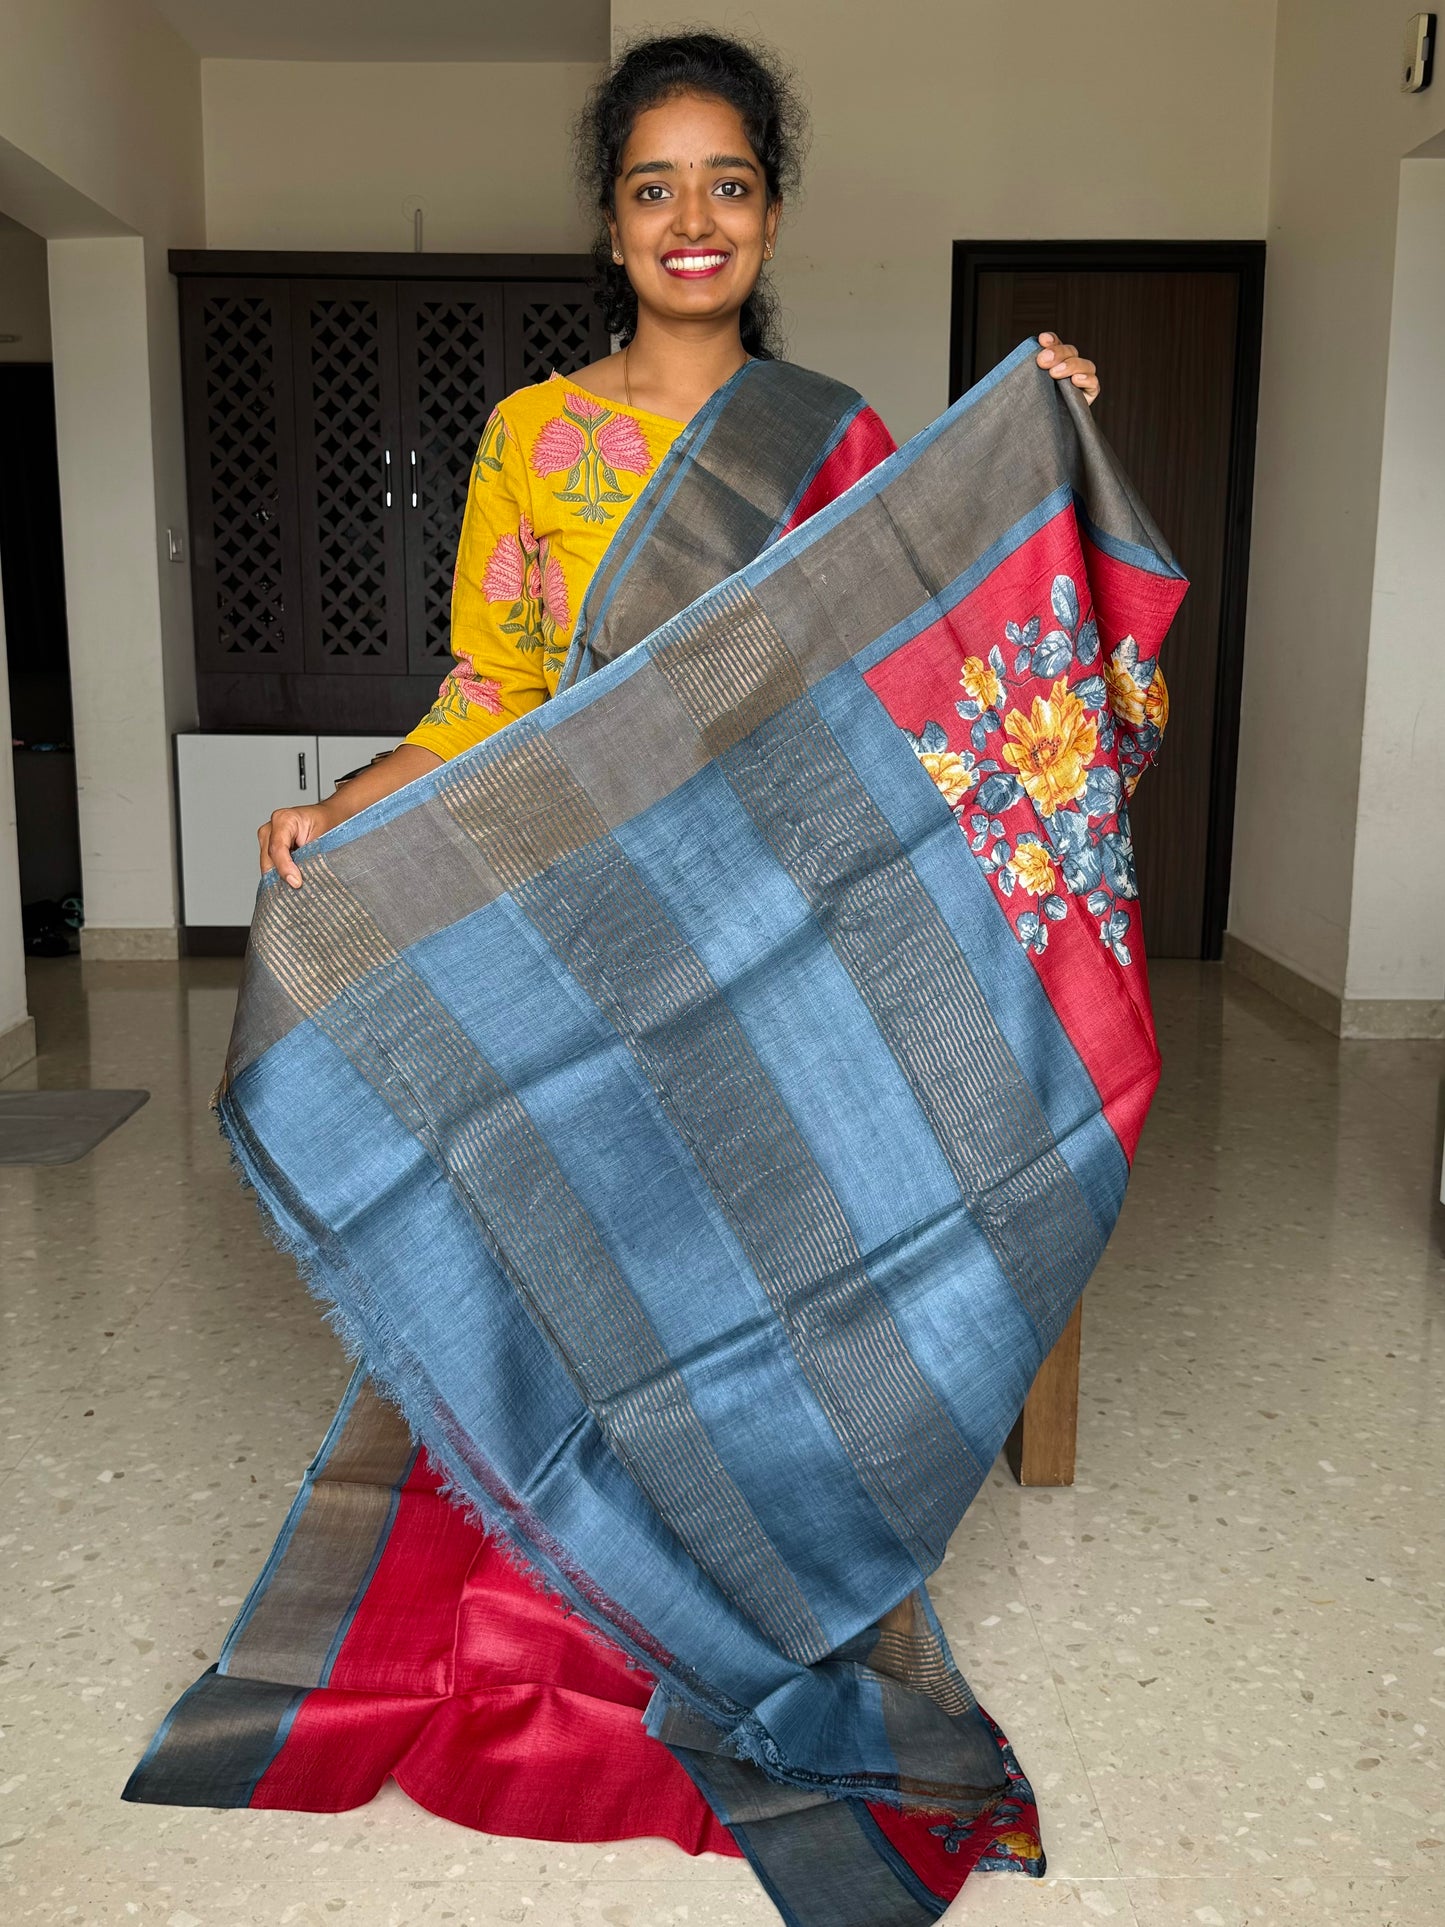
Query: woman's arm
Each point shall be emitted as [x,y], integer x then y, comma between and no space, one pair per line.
[287,830]
[495,677]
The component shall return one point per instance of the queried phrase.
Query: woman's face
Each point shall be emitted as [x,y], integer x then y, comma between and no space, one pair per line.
[692,217]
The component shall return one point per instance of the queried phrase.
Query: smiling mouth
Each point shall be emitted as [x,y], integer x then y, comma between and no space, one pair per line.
[697,266]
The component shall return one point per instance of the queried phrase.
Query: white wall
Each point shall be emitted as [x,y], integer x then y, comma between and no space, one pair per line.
[321,154]
[100,136]
[1397,908]
[943,120]
[113,610]
[17,1029]
[1341,128]
[25,311]
[24,297]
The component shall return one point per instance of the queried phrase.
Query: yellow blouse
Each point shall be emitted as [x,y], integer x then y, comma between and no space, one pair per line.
[556,471]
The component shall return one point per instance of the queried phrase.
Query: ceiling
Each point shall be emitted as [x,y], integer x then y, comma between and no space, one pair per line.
[386,30]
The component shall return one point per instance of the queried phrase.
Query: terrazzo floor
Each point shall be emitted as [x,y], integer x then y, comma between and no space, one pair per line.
[1221,1654]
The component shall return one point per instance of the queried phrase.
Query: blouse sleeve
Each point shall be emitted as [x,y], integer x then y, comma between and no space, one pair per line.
[862,446]
[496,675]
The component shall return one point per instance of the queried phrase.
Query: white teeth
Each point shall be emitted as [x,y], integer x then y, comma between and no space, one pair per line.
[690,263]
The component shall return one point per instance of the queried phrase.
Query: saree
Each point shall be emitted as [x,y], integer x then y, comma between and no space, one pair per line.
[702,1104]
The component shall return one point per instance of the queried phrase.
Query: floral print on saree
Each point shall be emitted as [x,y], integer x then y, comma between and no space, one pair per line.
[1058,732]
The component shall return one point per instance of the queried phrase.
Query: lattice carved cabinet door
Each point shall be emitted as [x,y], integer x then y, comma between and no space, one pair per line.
[453,373]
[553,327]
[349,476]
[240,454]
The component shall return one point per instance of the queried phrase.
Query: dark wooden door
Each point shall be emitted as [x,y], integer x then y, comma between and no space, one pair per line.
[1176,342]
[349,476]
[450,336]
[553,327]
[241,475]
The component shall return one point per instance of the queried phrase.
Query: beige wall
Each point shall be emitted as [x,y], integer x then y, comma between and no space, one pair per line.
[319,154]
[1397,910]
[102,95]
[24,310]
[1341,128]
[17,1030]
[100,138]
[113,611]
[24,295]
[937,120]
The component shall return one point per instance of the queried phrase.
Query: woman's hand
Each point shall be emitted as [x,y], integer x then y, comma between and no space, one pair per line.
[289,829]
[286,831]
[1065,363]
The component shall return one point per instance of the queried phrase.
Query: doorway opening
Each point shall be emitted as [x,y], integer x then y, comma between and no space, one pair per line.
[32,569]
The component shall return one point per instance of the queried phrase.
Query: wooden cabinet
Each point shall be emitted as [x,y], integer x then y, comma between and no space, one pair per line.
[333,406]
[226,785]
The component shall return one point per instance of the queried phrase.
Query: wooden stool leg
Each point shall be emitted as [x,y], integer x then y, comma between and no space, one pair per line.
[1041,1446]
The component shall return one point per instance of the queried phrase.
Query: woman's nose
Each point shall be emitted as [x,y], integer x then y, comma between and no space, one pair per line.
[694,216]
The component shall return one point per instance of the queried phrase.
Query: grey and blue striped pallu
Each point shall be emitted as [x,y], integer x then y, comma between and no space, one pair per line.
[686,1127]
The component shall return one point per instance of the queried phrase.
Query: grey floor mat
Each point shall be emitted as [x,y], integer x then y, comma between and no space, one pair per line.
[57,1127]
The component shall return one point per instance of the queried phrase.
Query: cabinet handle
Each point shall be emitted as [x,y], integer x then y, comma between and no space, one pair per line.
[301,769]
[415,481]
[386,478]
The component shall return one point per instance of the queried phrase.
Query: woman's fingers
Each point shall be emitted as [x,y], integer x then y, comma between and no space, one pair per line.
[1063,362]
[285,832]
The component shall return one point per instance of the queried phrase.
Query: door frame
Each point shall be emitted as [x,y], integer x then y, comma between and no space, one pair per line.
[1246,259]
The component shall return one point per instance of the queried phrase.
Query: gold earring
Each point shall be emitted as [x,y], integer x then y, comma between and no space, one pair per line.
[617,257]
[768,252]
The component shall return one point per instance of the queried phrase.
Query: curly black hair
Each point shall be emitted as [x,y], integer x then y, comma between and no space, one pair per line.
[654,70]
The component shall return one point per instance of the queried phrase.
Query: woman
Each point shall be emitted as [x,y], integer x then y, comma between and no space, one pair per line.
[688,149]
[387,1634]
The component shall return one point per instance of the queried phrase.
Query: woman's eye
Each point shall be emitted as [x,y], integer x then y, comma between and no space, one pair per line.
[733,190]
[654,191]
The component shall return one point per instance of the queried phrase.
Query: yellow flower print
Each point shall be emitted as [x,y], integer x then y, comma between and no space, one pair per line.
[953,774]
[1023,1846]
[1034,868]
[981,682]
[1126,695]
[1156,701]
[1052,748]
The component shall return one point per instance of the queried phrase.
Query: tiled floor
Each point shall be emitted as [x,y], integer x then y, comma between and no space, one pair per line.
[1221,1655]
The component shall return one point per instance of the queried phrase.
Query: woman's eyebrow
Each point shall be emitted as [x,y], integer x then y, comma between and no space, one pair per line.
[731,160]
[650,167]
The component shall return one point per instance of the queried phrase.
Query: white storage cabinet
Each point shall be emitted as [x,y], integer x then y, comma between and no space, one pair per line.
[228,784]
